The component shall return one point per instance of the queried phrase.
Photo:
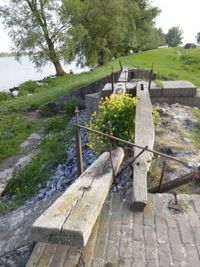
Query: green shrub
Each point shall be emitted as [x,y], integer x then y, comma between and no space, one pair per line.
[27,88]
[4,96]
[56,124]
[45,111]
[71,105]
[117,111]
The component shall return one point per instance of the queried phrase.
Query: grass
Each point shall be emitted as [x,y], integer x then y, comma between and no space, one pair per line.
[13,130]
[27,181]
[196,131]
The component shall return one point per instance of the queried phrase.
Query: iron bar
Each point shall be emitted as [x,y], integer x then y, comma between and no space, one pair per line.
[78,144]
[110,147]
[175,197]
[162,176]
[150,77]
[131,144]
[112,80]
[134,159]
[120,63]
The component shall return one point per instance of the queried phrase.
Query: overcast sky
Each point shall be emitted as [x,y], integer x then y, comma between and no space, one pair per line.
[181,13]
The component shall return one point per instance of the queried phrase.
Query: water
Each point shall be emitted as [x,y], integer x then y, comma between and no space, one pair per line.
[13,73]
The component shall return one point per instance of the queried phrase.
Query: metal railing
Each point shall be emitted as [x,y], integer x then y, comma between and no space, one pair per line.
[111,138]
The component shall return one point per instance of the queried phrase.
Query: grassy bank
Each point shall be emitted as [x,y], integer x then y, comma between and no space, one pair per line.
[27,181]
[169,63]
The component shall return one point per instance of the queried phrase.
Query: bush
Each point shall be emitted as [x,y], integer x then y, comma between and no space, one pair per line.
[27,88]
[4,96]
[71,105]
[45,111]
[117,111]
[56,124]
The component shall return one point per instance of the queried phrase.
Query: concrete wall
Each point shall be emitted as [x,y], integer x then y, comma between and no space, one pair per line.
[80,93]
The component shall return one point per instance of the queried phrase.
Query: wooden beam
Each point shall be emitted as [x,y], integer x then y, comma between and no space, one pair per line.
[69,221]
[144,136]
[124,75]
[188,178]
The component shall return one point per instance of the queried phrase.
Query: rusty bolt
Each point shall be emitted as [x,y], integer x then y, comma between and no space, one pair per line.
[175,198]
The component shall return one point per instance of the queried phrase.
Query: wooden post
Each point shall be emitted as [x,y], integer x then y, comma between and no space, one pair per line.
[78,145]
[188,178]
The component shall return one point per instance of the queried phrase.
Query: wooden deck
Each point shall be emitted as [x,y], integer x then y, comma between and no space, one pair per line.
[156,237]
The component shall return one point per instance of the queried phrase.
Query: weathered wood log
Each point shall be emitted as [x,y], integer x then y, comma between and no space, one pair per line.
[124,75]
[188,178]
[69,221]
[144,136]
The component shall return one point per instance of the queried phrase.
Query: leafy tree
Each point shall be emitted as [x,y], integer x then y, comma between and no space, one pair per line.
[36,28]
[174,36]
[198,38]
[101,30]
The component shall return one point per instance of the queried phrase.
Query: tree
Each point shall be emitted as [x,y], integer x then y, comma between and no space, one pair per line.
[36,28]
[102,30]
[174,36]
[198,38]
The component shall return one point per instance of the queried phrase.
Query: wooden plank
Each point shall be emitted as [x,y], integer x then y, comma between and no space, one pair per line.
[144,136]
[69,221]
[188,178]
[124,75]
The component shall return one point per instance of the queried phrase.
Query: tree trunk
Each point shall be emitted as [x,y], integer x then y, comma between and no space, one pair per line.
[58,67]
[54,58]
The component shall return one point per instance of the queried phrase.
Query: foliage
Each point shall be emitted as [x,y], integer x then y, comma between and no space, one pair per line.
[13,130]
[4,96]
[45,111]
[56,124]
[36,28]
[198,38]
[71,105]
[117,111]
[27,88]
[174,36]
[101,30]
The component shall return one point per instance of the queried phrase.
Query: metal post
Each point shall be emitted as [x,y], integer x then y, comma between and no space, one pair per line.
[112,80]
[150,77]
[120,63]
[110,148]
[162,176]
[78,144]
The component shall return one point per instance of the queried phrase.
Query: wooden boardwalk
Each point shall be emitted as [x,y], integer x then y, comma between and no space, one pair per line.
[155,237]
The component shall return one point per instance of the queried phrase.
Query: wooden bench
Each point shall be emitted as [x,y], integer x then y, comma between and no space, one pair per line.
[144,136]
[70,219]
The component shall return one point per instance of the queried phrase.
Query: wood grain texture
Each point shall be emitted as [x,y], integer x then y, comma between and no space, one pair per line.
[144,136]
[69,221]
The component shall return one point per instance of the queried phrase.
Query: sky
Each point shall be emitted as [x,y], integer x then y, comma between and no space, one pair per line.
[181,13]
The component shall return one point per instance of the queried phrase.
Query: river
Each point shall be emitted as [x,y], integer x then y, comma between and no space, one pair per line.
[13,73]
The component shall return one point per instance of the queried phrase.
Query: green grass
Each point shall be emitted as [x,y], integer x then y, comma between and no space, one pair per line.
[27,181]
[13,130]
[196,131]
